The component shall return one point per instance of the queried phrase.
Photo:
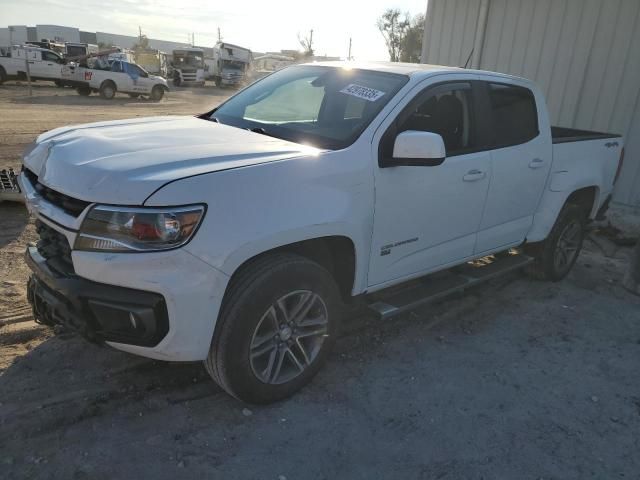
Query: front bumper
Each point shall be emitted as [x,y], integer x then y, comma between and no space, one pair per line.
[98,311]
[191,290]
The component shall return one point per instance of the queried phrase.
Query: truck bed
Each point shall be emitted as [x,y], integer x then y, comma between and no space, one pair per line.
[563,135]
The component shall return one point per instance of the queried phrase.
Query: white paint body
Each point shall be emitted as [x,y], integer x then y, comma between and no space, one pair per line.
[93,78]
[43,64]
[263,193]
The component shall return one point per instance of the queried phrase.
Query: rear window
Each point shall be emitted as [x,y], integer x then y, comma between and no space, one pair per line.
[515,117]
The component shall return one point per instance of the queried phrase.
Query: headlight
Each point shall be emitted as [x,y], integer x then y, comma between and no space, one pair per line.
[124,229]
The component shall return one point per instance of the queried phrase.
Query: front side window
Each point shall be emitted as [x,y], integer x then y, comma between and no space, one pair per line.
[51,57]
[447,112]
[514,113]
[326,107]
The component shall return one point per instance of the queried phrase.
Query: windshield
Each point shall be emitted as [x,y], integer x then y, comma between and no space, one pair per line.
[188,59]
[325,107]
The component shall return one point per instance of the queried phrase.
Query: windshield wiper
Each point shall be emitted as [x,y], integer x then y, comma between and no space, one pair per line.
[262,131]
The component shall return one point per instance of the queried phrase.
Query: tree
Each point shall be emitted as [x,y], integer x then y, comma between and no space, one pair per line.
[143,43]
[393,29]
[307,44]
[411,46]
[402,35]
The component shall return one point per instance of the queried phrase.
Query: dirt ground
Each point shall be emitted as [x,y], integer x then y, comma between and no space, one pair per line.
[514,379]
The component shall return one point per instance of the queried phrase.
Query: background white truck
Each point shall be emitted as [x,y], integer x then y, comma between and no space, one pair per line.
[43,64]
[188,67]
[237,237]
[230,64]
[109,78]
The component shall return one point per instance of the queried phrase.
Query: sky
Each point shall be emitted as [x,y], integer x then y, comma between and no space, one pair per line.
[258,24]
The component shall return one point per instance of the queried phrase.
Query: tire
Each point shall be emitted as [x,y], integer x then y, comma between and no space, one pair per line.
[108,90]
[59,83]
[84,91]
[555,256]
[176,80]
[251,311]
[3,75]
[157,93]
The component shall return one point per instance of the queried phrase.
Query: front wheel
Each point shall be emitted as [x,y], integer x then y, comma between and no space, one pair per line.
[157,93]
[555,256]
[276,328]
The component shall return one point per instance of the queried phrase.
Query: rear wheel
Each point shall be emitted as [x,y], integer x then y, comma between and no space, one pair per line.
[84,91]
[555,256]
[276,328]
[3,75]
[107,90]
[157,93]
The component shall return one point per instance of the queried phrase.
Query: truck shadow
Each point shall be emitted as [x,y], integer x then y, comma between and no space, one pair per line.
[65,380]
[93,100]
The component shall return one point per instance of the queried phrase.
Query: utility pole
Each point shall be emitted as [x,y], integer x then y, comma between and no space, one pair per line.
[193,39]
[349,56]
[219,35]
[27,50]
[139,34]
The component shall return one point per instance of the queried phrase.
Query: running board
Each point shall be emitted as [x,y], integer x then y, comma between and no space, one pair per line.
[411,295]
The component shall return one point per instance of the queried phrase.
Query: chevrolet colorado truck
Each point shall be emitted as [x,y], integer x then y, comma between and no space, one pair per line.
[236,237]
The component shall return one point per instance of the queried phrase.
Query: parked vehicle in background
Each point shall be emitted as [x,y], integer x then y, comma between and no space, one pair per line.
[44,64]
[153,61]
[187,67]
[110,77]
[57,47]
[230,64]
[236,237]
[79,49]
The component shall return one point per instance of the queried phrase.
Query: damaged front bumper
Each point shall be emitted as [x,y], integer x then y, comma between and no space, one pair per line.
[98,311]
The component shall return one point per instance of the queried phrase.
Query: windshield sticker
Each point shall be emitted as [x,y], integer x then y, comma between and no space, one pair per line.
[365,93]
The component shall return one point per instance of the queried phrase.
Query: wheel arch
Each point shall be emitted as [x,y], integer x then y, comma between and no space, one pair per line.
[587,196]
[336,253]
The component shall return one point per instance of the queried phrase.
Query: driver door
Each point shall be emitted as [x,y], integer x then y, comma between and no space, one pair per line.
[427,216]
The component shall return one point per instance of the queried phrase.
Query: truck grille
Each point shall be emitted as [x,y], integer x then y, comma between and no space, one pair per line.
[8,181]
[69,205]
[54,247]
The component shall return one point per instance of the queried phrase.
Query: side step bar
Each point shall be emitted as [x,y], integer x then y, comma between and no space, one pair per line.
[417,293]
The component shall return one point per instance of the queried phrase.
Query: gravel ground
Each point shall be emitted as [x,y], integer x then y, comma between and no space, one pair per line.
[514,379]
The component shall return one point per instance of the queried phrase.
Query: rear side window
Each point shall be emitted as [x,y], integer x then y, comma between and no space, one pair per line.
[515,117]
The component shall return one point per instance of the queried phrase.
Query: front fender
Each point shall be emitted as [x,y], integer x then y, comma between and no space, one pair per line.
[256,209]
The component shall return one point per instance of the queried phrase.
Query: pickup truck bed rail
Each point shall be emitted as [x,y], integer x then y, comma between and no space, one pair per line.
[564,135]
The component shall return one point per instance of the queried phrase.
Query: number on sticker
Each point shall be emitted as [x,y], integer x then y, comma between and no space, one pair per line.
[365,93]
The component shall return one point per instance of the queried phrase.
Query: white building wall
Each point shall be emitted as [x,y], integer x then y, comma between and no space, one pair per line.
[585,55]
[58,33]
[17,36]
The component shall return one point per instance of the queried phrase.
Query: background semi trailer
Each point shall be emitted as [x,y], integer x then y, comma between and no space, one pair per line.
[188,67]
[230,64]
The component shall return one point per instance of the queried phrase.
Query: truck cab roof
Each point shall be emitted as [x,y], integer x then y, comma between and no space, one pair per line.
[410,69]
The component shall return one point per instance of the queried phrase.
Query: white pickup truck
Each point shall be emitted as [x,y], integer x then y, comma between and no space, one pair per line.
[236,237]
[109,78]
[43,64]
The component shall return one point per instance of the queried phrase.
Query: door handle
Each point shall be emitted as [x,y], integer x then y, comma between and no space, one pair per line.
[473,176]
[536,163]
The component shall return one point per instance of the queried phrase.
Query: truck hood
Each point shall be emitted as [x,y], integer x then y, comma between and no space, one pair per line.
[123,162]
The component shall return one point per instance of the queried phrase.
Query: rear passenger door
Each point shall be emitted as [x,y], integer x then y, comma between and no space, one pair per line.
[520,162]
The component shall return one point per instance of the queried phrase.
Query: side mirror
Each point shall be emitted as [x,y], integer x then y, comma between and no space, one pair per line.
[417,149]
